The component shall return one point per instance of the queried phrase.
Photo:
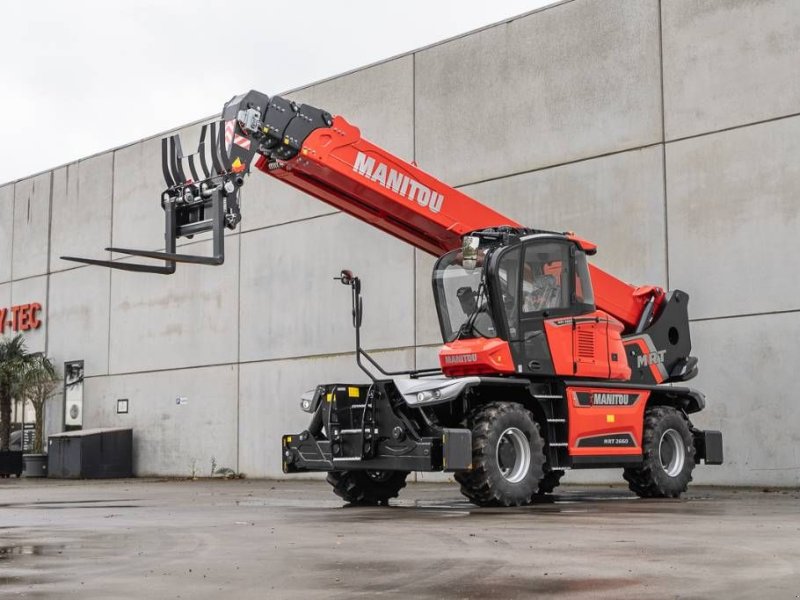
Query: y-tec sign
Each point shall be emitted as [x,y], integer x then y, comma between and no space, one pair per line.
[22,317]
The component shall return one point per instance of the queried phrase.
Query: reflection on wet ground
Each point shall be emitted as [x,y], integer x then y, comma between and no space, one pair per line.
[7,552]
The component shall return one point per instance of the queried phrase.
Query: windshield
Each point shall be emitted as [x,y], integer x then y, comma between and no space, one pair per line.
[461,299]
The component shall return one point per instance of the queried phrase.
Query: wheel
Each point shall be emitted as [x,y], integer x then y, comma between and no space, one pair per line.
[550,481]
[367,487]
[507,456]
[668,449]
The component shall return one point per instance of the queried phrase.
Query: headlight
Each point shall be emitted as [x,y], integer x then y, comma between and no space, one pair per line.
[428,395]
[310,400]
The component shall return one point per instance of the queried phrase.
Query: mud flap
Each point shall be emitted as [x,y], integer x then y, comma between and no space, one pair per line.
[708,447]
[457,450]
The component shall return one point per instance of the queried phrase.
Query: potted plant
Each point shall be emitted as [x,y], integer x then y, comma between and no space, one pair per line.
[13,358]
[37,382]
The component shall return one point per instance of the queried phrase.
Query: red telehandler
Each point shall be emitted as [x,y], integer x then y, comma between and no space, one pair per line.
[548,363]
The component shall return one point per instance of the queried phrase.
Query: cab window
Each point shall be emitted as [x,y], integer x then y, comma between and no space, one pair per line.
[545,284]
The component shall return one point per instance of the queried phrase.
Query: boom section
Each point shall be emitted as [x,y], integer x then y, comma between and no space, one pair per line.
[338,166]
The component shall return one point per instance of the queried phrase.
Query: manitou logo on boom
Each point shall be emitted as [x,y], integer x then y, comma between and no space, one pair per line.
[398,183]
[653,358]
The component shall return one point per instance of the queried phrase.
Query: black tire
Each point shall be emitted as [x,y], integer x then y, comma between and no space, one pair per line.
[668,448]
[367,488]
[507,456]
[550,481]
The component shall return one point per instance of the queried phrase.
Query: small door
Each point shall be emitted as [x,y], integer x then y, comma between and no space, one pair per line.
[590,347]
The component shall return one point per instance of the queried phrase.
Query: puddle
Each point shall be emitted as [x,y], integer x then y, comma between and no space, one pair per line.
[27,573]
[17,550]
[69,505]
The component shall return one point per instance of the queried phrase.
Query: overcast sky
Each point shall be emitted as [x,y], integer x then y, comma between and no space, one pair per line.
[83,76]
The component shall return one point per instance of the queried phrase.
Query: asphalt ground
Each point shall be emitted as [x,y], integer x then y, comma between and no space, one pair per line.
[293,539]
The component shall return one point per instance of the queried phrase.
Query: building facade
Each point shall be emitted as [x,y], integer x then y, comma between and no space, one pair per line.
[666,131]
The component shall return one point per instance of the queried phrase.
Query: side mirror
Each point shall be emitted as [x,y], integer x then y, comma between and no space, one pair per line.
[346,277]
[469,252]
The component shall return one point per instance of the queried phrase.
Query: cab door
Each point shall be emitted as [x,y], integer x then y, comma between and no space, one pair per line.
[545,294]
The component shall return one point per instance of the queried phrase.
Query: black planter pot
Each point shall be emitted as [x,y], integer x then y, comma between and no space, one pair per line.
[10,463]
[34,465]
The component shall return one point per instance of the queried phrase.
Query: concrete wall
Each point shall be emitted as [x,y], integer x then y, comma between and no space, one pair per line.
[666,131]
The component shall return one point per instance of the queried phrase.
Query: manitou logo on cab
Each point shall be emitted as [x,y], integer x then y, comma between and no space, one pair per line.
[398,183]
[460,359]
[599,399]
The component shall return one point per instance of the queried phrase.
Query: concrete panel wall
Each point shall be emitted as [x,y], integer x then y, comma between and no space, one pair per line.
[31,226]
[5,301]
[78,318]
[556,119]
[734,217]
[292,307]
[81,210]
[171,438]
[744,368]
[729,63]
[138,182]
[188,319]
[576,80]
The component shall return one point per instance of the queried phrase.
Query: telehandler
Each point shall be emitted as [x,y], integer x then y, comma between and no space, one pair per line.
[548,362]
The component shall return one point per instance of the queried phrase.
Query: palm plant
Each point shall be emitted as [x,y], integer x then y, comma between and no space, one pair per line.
[13,358]
[37,382]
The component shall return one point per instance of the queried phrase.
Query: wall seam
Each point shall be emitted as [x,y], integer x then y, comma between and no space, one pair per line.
[264,360]
[13,231]
[414,160]
[110,245]
[414,250]
[663,142]
[768,313]
[239,357]
[389,349]
[561,164]
[47,280]
[733,127]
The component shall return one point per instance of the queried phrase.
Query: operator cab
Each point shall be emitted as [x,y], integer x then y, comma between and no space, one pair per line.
[512,301]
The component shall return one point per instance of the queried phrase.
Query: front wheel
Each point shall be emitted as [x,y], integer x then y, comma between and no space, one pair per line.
[367,487]
[507,456]
[668,453]
[550,481]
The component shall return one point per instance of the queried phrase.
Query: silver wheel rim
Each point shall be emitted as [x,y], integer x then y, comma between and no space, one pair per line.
[522,455]
[672,452]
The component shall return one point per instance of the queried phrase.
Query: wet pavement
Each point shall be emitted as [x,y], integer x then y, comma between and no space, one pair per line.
[266,539]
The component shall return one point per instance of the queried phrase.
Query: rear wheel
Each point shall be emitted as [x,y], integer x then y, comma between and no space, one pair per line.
[668,449]
[507,456]
[367,487]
